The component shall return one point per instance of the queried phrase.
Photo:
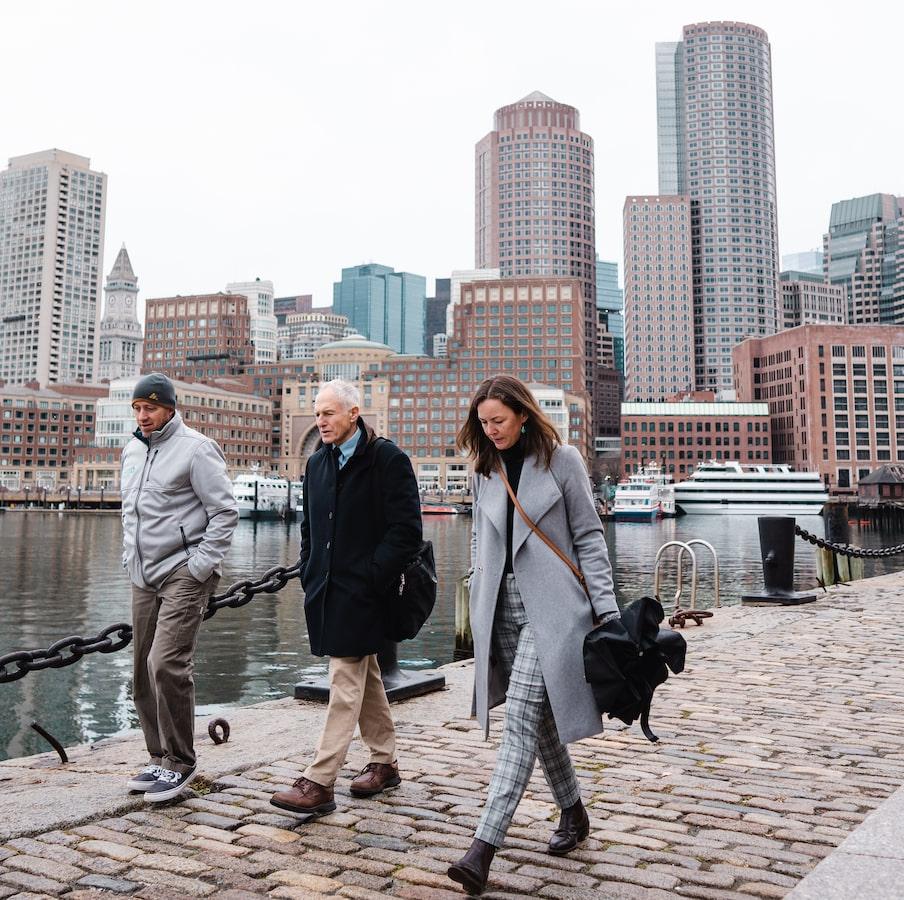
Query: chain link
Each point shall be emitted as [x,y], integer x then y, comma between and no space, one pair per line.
[69,650]
[847,549]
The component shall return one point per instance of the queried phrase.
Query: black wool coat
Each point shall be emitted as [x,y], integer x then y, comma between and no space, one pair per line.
[361,526]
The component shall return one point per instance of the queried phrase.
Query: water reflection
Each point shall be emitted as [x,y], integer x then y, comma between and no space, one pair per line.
[61,574]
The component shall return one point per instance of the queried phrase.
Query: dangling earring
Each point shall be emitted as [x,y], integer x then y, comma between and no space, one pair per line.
[524,429]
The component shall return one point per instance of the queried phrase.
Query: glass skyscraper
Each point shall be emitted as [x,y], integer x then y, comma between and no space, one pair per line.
[610,302]
[384,305]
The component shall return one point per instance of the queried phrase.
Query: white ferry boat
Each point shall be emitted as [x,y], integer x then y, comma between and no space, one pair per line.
[272,496]
[728,487]
[646,495]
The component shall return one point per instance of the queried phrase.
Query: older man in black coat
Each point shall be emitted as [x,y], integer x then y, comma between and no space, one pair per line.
[361,526]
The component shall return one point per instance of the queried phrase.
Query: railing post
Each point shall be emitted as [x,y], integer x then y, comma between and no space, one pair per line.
[464,641]
[777,551]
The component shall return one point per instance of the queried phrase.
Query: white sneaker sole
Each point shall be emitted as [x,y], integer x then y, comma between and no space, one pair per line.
[169,794]
[140,785]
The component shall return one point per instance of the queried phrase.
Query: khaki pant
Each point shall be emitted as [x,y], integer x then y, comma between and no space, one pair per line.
[165,625]
[357,697]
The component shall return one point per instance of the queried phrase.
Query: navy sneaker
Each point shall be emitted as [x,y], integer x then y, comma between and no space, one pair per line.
[169,784]
[145,778]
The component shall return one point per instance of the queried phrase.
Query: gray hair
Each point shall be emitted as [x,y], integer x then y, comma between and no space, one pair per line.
[347,393]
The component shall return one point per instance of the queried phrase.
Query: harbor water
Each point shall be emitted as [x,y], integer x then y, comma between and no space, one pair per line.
[61,574]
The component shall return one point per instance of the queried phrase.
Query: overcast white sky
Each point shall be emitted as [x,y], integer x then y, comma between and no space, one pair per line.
[287,140]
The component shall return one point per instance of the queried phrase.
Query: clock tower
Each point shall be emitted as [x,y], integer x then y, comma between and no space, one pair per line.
[121,339]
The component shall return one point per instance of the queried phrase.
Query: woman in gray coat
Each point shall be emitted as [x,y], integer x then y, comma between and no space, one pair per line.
[529,613]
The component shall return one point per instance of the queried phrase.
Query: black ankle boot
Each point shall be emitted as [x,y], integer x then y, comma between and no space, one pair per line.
[574,826]
[473,869]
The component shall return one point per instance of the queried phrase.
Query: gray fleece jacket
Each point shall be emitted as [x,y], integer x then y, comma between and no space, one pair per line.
[177,505]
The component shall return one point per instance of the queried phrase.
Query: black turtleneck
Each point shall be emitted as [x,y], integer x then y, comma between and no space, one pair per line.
[513,458]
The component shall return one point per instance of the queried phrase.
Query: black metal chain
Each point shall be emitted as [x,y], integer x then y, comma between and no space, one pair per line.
[69,650]
[847,549]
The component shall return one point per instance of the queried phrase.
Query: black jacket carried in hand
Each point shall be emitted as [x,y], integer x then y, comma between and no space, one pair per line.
[361,526]
[626,659]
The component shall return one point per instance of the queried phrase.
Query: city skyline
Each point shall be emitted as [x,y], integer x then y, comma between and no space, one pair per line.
[287,163]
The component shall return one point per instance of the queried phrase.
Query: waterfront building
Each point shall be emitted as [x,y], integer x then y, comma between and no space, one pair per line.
[40,431]
[260,313]
[809,261]
[835,395]
[807,297]
[864,254]
[420,402]
[198,336]
[302,333]
[680,434]
[534,204]
[121,346]
[435,314]
[284,306]
[52,209]
[716,145]
[383,305]
[659,305]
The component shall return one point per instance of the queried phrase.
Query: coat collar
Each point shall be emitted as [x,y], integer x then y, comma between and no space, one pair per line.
[537,493]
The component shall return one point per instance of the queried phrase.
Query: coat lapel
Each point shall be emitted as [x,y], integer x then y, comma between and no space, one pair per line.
[493,499]
[537,492]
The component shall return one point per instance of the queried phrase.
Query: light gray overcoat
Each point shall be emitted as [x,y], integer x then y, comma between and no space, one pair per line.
[560,502]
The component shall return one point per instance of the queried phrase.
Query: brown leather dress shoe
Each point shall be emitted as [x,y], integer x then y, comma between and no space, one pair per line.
[305,798]
[375,777]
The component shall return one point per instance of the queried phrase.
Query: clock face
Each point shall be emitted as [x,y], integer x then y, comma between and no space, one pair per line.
[128,302]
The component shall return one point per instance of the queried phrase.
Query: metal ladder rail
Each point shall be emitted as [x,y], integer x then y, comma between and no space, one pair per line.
[659,556]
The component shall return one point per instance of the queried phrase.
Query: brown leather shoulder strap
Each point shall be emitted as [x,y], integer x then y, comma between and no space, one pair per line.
[540,534]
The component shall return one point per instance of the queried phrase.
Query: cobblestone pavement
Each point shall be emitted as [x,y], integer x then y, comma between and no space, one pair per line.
[786,730]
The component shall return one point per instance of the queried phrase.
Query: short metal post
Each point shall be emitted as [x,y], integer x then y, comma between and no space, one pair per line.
[777,551]
[399,685]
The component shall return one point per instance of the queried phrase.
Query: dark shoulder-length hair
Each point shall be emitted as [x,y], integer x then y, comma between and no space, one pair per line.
[540,435]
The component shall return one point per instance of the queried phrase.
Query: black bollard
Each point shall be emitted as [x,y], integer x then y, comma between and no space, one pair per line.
[777,551]
[399,685]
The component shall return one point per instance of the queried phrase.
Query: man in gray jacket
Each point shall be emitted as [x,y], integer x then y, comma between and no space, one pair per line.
[178,515]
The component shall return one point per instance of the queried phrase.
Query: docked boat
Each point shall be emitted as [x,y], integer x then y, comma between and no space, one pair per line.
[644,496]
[728,487]
[266,496]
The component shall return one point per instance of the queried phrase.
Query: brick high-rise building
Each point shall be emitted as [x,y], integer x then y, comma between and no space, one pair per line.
[659,310]
[52,208]
[198,336]
[716,145]
[534,203]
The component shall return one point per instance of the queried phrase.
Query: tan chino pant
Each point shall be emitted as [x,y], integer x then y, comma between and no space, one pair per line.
[165,625]
[357,697]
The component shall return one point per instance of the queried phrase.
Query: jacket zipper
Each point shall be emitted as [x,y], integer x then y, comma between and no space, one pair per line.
[148,462]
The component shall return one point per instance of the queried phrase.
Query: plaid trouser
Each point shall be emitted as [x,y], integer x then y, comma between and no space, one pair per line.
[530,729]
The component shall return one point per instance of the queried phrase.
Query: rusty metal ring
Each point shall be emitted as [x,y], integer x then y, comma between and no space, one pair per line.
[216,736]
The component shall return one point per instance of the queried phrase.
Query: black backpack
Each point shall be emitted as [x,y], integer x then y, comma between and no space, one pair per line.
[411,598]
